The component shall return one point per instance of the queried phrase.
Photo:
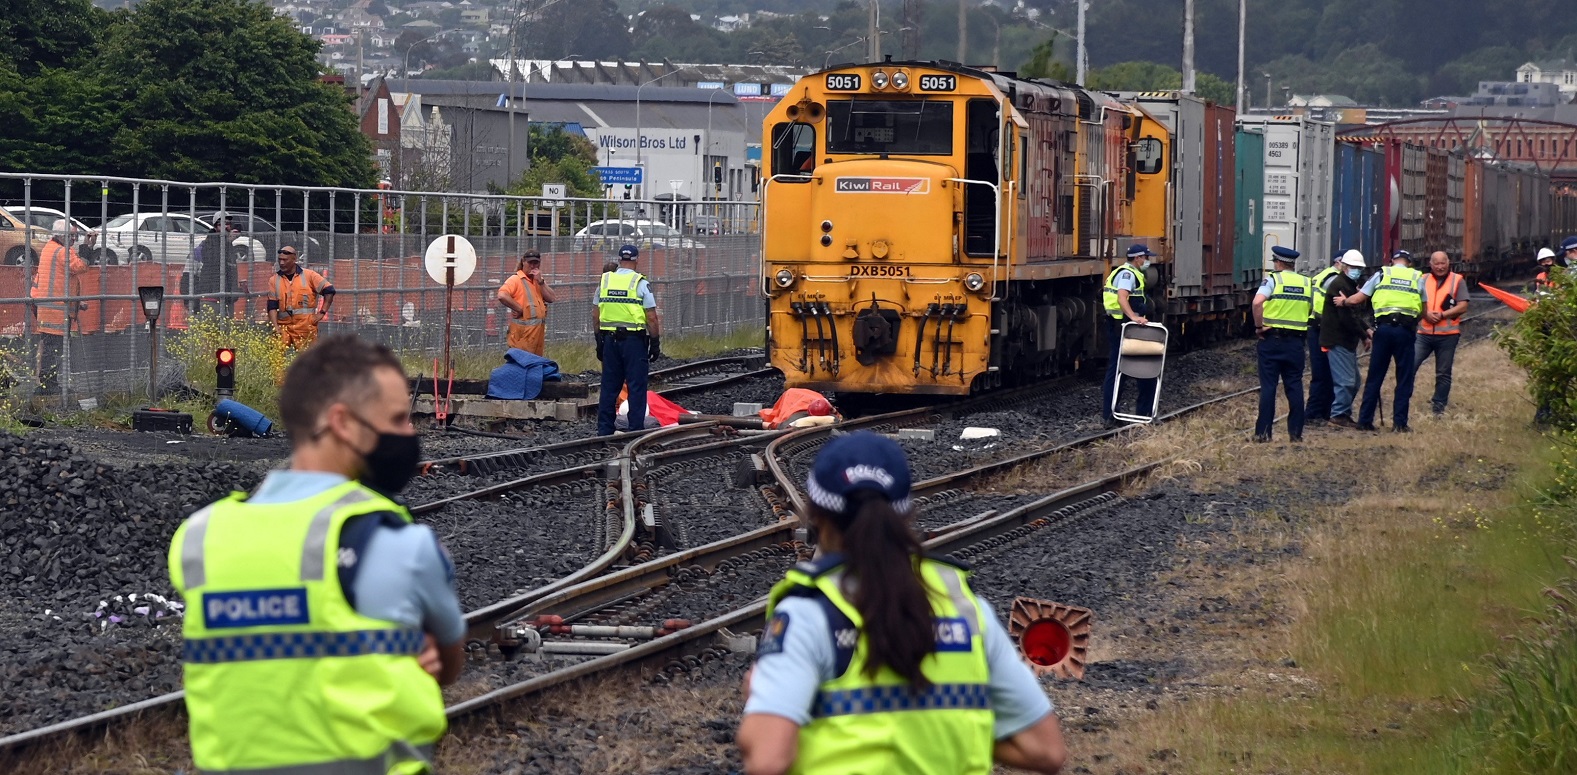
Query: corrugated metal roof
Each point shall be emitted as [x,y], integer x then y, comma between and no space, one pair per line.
[565,91]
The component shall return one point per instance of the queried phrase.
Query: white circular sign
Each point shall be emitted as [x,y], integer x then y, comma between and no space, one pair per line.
[450,250]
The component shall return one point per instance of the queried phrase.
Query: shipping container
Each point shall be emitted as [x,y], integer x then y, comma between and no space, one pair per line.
[1456,175]
[1203,203]
[1563,215]
[1250,185]
[1299,167]
[1435,205]
[1473,265]
[1357,195]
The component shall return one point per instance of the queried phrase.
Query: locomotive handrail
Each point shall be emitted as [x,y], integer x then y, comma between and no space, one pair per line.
[996,228]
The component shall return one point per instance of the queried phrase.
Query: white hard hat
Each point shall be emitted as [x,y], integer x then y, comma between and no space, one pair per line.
[1546,253]
[1353,258]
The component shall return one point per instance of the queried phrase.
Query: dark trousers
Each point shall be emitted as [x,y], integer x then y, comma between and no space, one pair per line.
[1114,340]
[623,363]
[50,349]
[1444,348]
[1390,342]
[1322,389]
[1280,360]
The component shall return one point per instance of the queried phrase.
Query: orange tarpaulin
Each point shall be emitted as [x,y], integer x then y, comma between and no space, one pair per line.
[1511,300]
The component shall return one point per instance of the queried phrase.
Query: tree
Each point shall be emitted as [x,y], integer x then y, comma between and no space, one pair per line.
[559,157]
[226,90]
[1043,63]
[590,29]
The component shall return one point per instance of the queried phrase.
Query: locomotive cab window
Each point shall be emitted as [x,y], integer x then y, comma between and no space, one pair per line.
[897,127]
[1149,156]
[793,150]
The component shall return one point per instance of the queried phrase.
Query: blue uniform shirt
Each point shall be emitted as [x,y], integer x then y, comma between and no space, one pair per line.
[403,575]
[1127,281]
[785,681]
[643,290]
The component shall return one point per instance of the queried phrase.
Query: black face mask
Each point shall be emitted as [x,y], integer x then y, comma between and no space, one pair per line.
[392,462]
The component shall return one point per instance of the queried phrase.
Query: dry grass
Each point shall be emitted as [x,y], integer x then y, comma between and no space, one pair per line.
[1348,653]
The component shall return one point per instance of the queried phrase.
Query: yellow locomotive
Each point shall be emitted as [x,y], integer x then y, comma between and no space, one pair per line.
[932,228]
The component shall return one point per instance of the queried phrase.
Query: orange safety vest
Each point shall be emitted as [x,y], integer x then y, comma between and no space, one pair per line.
[299,294]
[1436,293]
[56,264]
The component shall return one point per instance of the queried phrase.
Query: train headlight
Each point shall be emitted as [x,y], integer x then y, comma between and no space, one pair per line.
[900,80]
[974,282]
[785,278]
[879,79]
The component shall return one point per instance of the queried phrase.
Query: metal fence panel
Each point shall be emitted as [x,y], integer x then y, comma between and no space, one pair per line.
[703,259]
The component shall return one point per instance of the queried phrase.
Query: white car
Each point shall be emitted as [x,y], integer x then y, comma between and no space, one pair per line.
[168,238]
[610,235]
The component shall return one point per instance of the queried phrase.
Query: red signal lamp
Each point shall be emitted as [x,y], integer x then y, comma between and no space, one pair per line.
[224,371]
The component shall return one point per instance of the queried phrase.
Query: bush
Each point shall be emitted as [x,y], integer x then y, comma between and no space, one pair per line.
[1536,713]
[1544,341]
[260,357]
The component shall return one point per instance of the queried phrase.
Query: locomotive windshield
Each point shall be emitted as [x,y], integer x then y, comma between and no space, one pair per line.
[906,127]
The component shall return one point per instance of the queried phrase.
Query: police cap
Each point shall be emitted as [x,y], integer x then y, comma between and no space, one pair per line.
[1284,255]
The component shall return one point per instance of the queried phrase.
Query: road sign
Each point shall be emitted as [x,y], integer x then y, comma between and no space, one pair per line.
[613,176]
[450,250]
[555,191]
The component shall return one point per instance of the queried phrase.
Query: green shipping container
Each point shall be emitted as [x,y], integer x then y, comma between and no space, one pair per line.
[1249,240]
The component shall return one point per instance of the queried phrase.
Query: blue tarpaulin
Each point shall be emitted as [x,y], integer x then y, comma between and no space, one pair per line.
[521,376]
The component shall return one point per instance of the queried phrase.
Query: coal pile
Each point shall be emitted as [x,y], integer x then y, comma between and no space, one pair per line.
[89,620]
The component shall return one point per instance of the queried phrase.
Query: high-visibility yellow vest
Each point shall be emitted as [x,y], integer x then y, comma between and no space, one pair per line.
[1290,301]
[1114,306]
[282,674]
[861,724]
[619,301]
[1321,280]
[1400,292]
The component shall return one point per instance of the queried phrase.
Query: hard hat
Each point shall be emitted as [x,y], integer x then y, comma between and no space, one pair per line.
[819,408]
[1546,254]
[1353,258]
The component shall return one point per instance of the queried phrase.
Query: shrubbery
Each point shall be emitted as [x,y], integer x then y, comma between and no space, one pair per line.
[260,357]
[1544,341]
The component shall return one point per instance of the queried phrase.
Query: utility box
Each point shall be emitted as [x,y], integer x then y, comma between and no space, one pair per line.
[1298,180]
[151,419]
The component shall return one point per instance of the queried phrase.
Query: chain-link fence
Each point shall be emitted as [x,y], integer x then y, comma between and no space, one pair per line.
[70,323]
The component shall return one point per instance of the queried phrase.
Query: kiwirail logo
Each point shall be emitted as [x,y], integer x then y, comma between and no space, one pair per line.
[884,185]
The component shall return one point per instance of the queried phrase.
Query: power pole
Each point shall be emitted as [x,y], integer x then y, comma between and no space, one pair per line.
[1082,58]
[1188,46]
[963,32]
[912,10]
[873,45]
[1242,37]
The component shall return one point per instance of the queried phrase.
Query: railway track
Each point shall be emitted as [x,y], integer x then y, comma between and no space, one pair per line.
[601,601]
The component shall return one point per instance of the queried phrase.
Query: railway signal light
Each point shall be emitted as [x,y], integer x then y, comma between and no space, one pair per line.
[224,369]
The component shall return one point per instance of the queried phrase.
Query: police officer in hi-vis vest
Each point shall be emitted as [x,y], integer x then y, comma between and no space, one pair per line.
[877,659]
[1124,301]
[628,327]
[1282,308]
[320,621]
[1398,294]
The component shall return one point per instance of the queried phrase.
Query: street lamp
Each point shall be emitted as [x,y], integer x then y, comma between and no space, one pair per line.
[638,119]
[857,41]
[407,70]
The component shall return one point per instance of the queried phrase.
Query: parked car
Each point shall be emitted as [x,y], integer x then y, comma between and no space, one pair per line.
[259,240]
[20,242]
[609,235]
[45,218]
[169,238]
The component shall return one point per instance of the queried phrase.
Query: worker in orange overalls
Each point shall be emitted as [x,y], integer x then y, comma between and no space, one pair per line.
[797,404]
[298,300]
[527,296]
[57,262]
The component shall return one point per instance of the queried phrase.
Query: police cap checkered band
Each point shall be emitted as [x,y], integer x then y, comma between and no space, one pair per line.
[629,251]
[859,462]
[1570,243]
